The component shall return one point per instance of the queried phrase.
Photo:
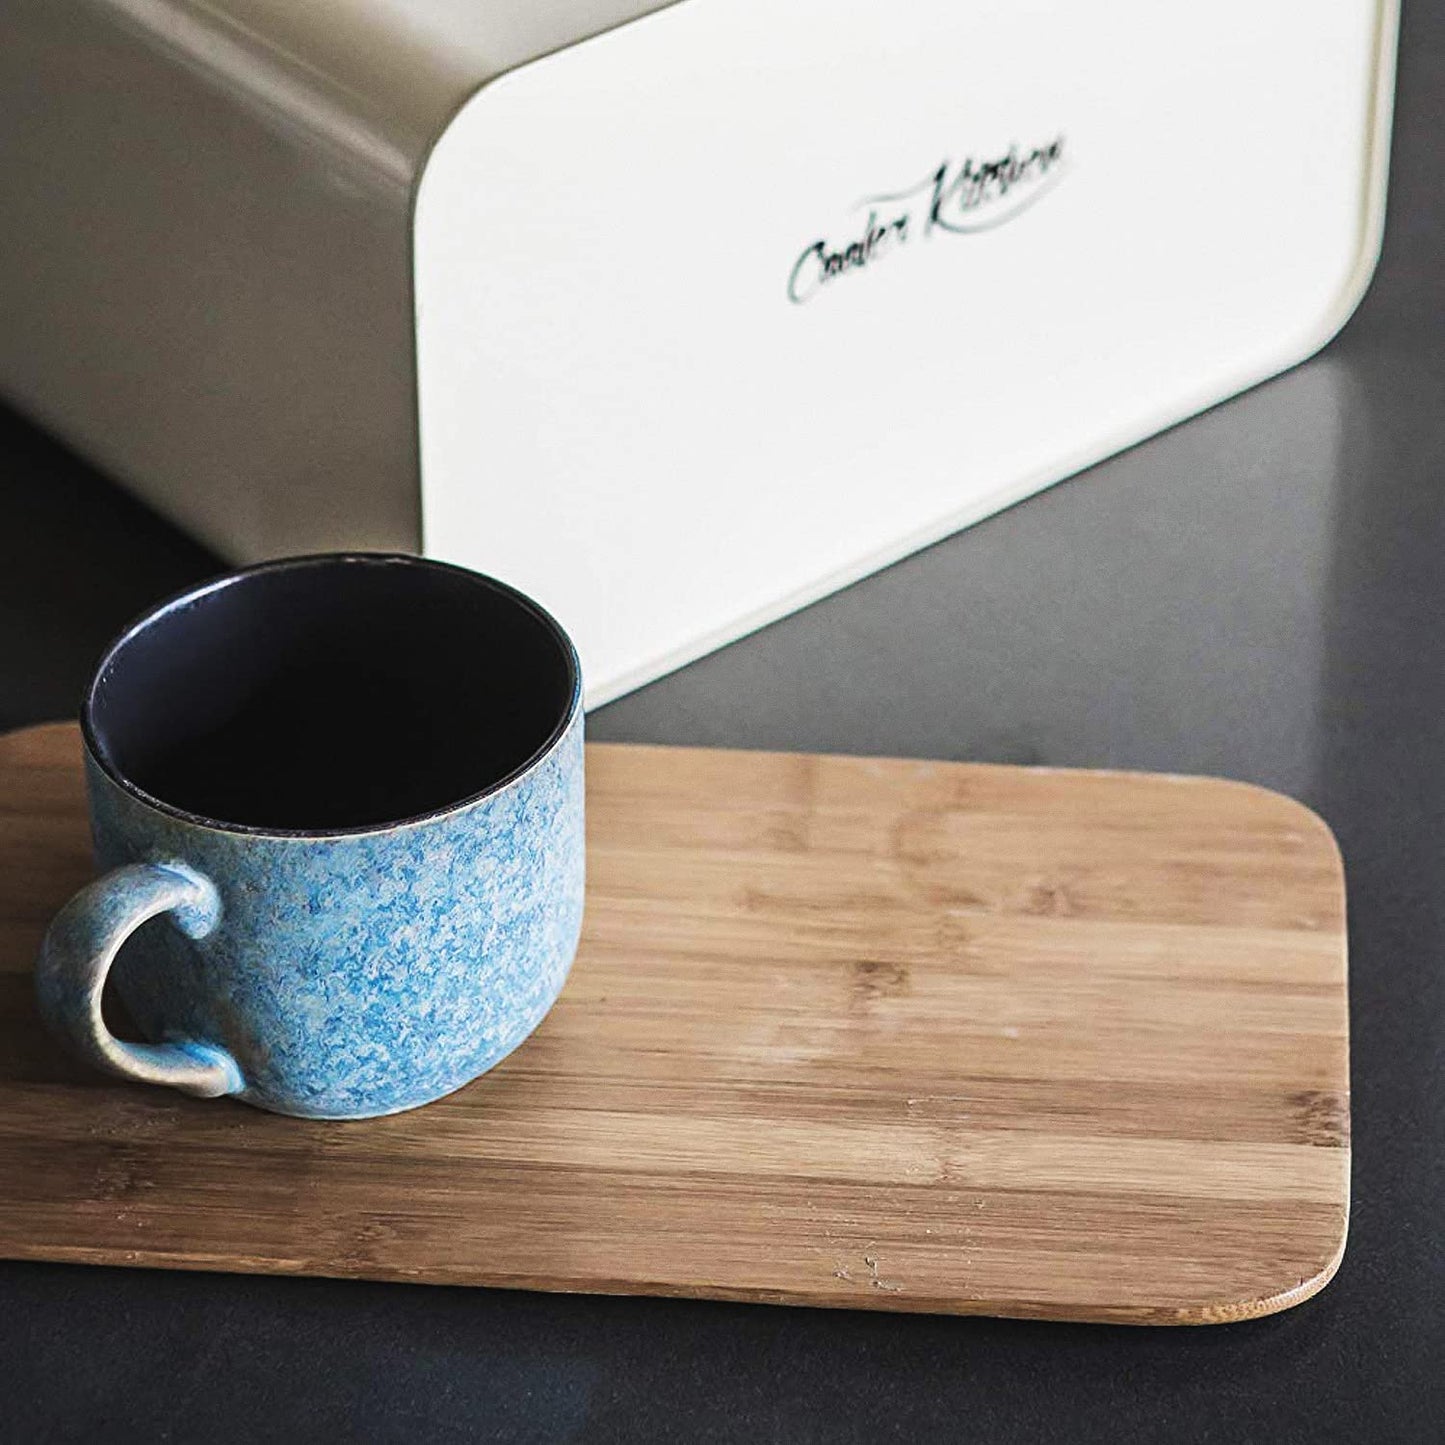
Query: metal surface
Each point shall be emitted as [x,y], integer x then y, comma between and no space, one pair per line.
[223,189]
[1257,593]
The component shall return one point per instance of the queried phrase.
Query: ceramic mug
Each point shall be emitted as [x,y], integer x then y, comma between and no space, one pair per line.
[340,799]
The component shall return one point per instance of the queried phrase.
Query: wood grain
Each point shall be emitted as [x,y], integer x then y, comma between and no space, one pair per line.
[895,1035]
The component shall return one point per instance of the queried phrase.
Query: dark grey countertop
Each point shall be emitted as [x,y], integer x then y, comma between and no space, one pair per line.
[1257,593]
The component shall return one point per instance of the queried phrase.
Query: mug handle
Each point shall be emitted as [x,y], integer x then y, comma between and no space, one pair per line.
[79,948]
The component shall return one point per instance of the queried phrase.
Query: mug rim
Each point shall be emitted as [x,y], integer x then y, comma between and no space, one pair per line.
[189,595]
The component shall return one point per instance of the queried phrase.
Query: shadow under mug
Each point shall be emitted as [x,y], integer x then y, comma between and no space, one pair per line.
[341,802]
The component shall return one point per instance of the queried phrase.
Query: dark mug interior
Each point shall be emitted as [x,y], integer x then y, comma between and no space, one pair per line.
[331,694]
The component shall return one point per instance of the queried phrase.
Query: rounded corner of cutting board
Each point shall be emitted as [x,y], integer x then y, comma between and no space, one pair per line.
[1269,804]
[1288,1295]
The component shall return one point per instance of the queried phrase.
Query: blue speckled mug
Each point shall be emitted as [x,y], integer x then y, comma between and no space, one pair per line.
[340,801]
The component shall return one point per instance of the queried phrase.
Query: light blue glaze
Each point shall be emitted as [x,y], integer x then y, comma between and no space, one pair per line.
[356,974]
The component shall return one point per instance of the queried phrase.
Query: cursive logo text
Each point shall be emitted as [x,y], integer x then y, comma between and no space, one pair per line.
[953,199]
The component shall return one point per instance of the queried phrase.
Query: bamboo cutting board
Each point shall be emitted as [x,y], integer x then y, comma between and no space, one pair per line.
[896,1035]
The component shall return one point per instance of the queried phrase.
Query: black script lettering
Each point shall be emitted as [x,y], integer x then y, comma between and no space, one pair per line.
[975,195]
[818,265]
[814,253]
